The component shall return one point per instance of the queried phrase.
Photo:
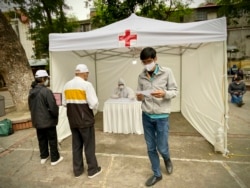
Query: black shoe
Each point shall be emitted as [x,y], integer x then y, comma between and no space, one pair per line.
[239,104]
[169,166]
[153,180]
[98,171]
[78,176]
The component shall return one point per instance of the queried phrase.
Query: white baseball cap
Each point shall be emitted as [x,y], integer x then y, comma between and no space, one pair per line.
[80,68]
[41,73]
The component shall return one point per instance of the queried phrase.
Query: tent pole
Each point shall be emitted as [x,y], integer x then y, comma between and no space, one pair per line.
[50,70]
[180,89]
[225,100]
[95,75]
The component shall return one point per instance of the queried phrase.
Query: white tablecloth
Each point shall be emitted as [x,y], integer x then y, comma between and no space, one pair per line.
[122,116]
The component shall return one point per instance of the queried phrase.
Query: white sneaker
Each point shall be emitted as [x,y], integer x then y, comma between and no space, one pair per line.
[58,161]
[43,161]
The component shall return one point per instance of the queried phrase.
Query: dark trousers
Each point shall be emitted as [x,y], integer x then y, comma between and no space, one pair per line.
[47,139]
[84,138]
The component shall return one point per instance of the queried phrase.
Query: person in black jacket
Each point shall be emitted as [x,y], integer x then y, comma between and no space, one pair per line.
[44,117]
[237,89]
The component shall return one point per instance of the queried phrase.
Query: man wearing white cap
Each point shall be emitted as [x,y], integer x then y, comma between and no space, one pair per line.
[80,99]
[44,116]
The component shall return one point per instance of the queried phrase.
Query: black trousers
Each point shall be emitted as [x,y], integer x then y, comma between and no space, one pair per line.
[84,138]
[47,139]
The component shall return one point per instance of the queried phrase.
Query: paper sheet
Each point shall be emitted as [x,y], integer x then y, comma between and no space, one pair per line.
[145,92]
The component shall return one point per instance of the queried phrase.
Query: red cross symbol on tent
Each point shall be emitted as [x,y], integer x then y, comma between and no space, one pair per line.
[127,38]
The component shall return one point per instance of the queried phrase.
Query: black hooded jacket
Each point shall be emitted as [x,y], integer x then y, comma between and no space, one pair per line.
[43,107]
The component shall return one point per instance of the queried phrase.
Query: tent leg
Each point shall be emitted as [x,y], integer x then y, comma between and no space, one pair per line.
[226,117]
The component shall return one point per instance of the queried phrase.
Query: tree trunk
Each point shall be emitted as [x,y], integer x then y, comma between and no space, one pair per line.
[14,65]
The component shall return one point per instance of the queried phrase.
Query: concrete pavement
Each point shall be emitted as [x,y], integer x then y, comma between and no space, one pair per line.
[125,162]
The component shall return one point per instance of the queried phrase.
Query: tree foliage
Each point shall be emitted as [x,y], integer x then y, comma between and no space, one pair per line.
[170,10]
[45,17]
[110,11]
[234,9]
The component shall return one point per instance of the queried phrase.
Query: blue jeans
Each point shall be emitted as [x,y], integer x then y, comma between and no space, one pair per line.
[156,136]
[236,99]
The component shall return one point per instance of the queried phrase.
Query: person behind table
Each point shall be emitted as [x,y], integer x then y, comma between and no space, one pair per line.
[123,91]
[237,89]
[156,110]
[80,99]
[44,117]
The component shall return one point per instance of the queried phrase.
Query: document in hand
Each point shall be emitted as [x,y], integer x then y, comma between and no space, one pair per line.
[145,92]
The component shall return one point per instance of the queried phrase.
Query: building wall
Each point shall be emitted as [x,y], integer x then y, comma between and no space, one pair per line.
[240,37]
[21,30]
[238,34]
[27,44]
[211,15]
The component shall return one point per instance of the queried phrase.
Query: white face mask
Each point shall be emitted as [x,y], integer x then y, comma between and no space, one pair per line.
[46,83]
[150,66]
[121,87]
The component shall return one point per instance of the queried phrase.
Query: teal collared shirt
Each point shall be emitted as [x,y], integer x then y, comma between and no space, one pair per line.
[155,72]
[157,116]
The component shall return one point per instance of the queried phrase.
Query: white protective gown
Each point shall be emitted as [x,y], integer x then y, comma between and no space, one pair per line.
[125,92]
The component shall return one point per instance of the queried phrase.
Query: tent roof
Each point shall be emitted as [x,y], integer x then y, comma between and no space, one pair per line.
[136,31]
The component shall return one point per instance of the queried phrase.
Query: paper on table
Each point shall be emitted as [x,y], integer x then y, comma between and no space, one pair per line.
[145,92]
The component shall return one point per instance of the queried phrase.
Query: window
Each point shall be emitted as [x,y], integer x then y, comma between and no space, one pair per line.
[85,27]
[201,15]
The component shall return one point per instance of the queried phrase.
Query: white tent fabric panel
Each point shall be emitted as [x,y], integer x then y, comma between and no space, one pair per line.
[63,129]
[104,74]
[203,89]
[110,70]
[63,69]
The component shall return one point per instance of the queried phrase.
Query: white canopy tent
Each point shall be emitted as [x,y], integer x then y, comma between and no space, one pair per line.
[196,52]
